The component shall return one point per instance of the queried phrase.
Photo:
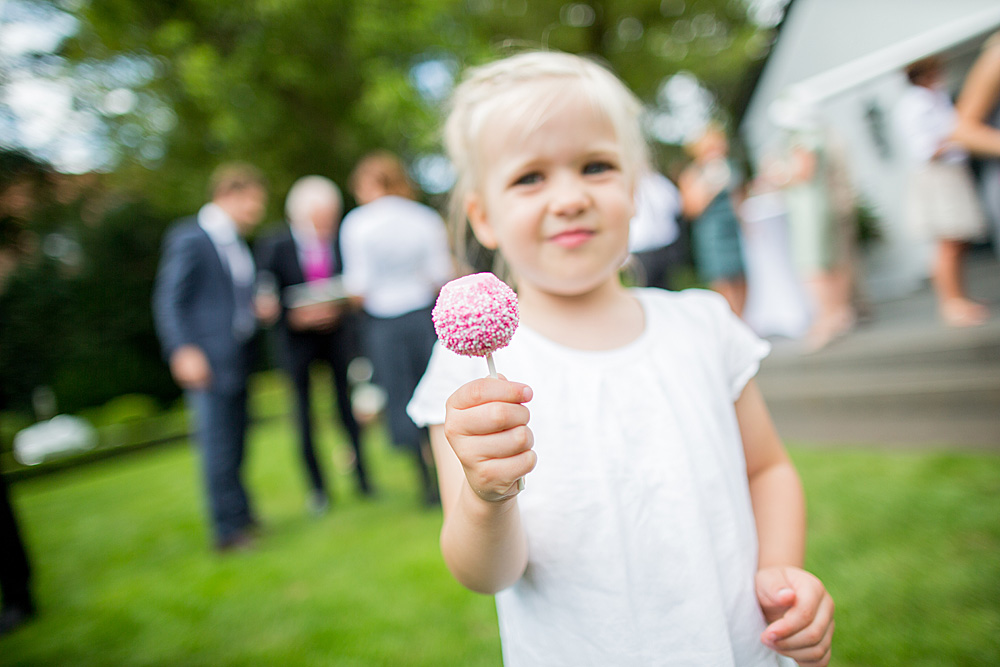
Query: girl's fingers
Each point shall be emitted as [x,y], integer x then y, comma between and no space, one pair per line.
[814,655]
[488,390]
[485,419]
[498,445]
[812,632]
[497,478]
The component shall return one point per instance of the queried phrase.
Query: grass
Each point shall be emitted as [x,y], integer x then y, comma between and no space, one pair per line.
[907,542]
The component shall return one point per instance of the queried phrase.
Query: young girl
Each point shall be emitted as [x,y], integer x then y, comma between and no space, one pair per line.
[651,463]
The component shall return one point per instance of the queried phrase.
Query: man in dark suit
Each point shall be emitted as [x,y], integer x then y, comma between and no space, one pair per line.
[309,327]
[203,309]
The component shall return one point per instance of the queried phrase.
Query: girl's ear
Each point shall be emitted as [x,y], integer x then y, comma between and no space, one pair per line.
[475,211]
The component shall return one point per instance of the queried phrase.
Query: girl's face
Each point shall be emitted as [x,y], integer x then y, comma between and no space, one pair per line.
[556,201]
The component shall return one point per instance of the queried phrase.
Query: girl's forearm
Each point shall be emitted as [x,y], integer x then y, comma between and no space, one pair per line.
[779,509]
[483,543]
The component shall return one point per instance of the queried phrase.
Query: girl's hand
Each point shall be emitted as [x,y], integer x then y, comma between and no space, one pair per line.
[800,612]
[487,427]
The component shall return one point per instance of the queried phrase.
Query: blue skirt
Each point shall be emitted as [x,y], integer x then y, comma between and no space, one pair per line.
[716,242]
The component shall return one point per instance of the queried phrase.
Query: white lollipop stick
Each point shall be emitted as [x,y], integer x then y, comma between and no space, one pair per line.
[493,374]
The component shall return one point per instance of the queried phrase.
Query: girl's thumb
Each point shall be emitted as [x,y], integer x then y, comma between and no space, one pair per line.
[774,590]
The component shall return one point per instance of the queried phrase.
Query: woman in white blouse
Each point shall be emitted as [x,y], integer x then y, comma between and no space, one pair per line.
[396,258]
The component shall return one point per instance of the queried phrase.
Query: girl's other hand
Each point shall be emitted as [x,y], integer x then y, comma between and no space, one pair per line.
[800,612]
[486,425]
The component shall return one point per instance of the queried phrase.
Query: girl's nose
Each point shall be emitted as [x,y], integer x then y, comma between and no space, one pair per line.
[569,196]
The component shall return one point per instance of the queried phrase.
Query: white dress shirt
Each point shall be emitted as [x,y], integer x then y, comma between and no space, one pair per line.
[232,249]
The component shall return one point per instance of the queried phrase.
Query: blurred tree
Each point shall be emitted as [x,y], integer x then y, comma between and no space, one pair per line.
[112,347]
[303,86]
[296,87]
[74,308]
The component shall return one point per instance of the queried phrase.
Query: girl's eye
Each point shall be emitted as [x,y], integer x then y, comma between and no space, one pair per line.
[529,179]
[598,167]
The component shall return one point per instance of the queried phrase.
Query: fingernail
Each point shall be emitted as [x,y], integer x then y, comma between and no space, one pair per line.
[526,393]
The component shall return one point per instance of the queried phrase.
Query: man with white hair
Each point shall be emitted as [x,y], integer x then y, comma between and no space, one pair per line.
[314,322]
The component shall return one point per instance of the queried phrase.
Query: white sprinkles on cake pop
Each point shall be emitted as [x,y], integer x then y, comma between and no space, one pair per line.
[475,315]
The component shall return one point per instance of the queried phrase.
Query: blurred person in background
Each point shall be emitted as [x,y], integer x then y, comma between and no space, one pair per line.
[654,235]
[396,258]
[15,571]
[205,319]
[978,128]
[315,325]
[708,187]
[820,206]
[941,200]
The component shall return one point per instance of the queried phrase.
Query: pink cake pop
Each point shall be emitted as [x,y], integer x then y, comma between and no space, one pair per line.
[476,315]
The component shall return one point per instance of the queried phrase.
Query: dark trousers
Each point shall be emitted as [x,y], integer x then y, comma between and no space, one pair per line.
[399,349]
[660,265]
[220,428]
[15,572]
[337,350]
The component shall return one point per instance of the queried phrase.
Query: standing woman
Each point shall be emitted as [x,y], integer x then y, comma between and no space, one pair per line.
[707,188]
[978,129]
[306,253]
[396,258]
[821,226]
[941,200]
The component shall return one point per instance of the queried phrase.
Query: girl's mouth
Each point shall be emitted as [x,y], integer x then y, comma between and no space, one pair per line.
[572,238]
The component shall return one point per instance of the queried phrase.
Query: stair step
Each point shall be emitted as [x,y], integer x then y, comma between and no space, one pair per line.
[933,380]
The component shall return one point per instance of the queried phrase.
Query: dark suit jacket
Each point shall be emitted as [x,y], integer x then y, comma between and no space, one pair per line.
[279,255]
[194,302]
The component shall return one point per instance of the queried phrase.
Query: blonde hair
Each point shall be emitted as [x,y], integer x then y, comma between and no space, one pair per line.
[509,89]
[306,194]
[387,170]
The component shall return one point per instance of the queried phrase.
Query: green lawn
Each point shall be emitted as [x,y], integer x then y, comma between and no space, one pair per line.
[908,543]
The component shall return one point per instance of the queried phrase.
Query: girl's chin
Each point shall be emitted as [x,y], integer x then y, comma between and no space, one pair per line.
[571,288]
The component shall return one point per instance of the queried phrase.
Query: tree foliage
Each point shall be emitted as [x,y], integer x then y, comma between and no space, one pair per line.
[308,86]
[295,87]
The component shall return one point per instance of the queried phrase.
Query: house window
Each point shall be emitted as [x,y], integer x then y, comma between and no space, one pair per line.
[875,119]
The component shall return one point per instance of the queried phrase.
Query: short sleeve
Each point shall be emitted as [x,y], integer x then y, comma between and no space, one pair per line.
[743,351]
[445,373]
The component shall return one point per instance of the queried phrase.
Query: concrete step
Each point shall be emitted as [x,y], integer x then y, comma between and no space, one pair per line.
[924,382]
[902,378]
[888,347]
[947,426]
[928,405]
